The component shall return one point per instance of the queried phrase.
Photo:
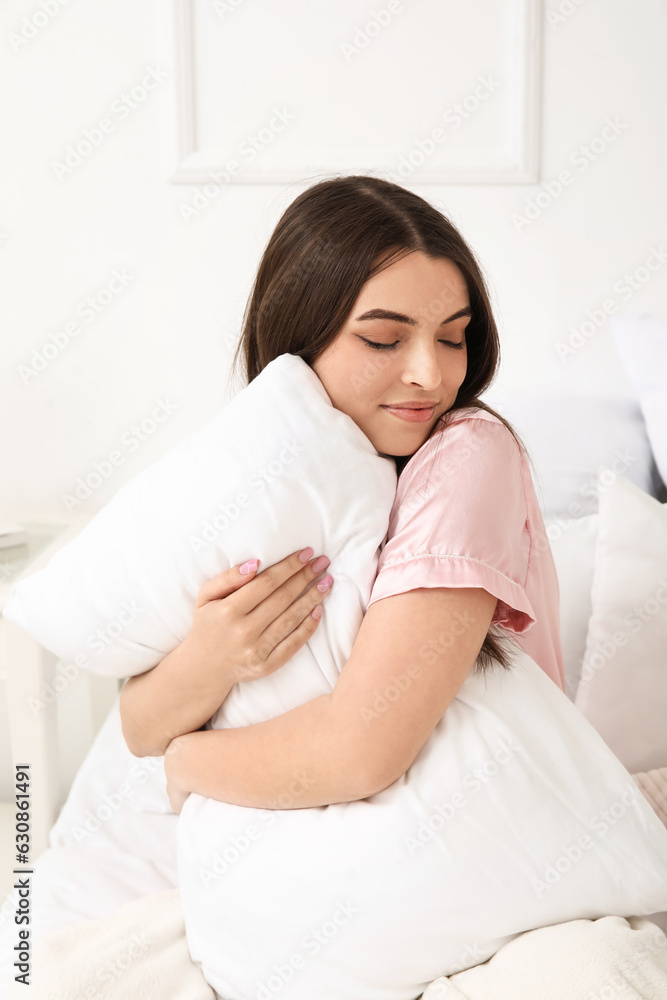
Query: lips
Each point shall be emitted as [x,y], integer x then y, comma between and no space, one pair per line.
[411,412]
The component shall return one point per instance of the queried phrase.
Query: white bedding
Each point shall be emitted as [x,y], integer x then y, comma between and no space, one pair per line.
[87,875]
[132,854]
[113,842]
[141,953]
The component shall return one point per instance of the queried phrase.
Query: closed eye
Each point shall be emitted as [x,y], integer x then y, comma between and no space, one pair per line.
[390,347]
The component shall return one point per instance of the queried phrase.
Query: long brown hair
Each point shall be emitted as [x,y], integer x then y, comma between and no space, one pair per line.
[330,240]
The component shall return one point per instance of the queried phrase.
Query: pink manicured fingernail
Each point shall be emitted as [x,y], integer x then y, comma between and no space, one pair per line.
[249,566]
[305,554]
[316,612]
[324,583]
[320,564]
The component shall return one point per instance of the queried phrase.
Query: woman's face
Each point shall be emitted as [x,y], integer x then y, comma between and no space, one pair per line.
[420,306]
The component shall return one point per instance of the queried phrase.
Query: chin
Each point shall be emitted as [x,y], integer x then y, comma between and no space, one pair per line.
[394,449]
[400,445]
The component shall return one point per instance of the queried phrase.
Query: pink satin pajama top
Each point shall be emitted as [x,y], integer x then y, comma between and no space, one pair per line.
[466,515]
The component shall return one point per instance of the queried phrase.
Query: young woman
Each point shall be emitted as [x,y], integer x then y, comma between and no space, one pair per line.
[380,294]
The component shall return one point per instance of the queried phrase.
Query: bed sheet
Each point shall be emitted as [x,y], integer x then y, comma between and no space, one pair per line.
[114,841]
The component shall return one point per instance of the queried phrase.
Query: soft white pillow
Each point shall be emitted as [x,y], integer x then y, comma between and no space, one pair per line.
[573,546]
[513,816]
[277,469]
[570,436]
[641,342]
[623,687]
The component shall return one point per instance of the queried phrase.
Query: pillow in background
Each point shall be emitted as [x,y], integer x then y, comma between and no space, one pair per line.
[641,343]
[573,543]
[570,437]
[277,469]
[623,687]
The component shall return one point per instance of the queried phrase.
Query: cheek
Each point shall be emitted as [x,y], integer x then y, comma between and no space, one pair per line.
[382,377]
[462,367]
[332,375]
[455,374]
[454,365]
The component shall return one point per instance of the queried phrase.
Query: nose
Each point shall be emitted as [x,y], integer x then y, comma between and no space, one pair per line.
[421,367]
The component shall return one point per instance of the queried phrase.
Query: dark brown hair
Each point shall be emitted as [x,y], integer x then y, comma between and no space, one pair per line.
[330,240]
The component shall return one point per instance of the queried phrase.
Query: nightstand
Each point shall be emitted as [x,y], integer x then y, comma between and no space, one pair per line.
[27,668]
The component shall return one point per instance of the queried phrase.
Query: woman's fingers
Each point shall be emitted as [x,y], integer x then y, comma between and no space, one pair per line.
[265,609]
[298,616]
[227,582]
[287,634]
[275,588]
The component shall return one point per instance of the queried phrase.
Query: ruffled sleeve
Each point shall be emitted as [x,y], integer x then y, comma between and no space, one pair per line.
[460,518]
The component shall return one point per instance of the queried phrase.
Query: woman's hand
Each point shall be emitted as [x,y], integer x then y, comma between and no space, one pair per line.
[244,626]
[248,628]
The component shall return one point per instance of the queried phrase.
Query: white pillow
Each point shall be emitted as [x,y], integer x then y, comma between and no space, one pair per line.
[641,342]
[573,546]
[623,687]
[570,436]
[276,470]
[514,815]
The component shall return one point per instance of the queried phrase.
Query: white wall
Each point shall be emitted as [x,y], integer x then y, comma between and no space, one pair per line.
[168,335]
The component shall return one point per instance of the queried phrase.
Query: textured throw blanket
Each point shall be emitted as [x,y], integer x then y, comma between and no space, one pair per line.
[612,958]
[140,953]
[654,786]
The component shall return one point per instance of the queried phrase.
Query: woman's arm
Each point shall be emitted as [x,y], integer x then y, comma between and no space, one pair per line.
[245,627]
[177,696]
[411,655]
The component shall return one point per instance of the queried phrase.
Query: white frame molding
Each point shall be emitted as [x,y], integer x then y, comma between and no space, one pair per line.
[526,169]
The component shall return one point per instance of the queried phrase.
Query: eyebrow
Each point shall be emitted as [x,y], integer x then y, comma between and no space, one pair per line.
[401,318]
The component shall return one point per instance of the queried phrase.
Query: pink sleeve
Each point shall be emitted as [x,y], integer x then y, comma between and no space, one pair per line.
[460,520]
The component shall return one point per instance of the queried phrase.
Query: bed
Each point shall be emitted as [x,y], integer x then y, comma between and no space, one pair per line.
[111,849]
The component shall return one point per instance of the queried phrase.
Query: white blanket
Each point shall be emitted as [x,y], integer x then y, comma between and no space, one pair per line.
[612,958]
[140,953]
